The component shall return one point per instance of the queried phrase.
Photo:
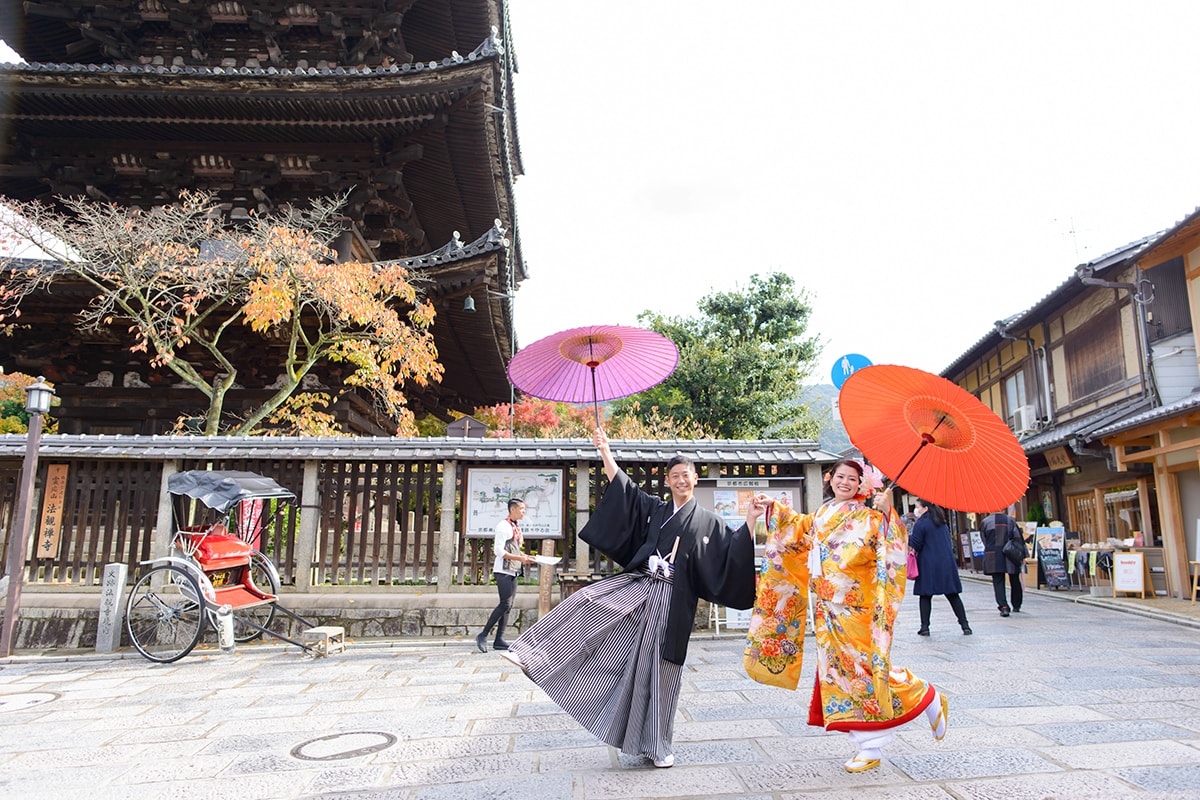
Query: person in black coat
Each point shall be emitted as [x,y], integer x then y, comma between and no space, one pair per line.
[937,572]
[996,529]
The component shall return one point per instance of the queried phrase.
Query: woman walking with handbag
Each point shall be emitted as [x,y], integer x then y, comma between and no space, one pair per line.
[937,572]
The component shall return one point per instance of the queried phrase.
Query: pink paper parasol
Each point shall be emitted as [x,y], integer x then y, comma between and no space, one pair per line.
[594,363]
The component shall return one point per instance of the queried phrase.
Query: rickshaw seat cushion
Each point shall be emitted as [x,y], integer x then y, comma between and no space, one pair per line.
[220,550]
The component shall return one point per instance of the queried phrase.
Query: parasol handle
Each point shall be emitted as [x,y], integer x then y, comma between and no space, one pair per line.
[592,364]
[595,400]
[926,438]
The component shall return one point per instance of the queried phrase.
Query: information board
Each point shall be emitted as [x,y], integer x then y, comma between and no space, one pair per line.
[1129,573]
[485,500]
[1050,544]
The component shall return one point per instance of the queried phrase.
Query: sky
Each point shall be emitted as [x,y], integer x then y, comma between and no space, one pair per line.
[921,169]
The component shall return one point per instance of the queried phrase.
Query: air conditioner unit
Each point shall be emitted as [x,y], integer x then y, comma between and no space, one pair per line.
[1024,420]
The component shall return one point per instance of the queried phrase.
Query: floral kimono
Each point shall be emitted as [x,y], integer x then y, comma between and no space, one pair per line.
[856,575]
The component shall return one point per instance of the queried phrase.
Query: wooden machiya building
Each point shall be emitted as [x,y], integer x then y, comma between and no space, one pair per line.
[405,106]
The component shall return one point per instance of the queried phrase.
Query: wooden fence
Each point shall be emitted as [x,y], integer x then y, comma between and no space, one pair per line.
[372,522]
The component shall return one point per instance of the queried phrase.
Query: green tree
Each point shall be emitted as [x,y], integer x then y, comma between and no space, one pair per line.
[741,362]
[190,292]
[13,417]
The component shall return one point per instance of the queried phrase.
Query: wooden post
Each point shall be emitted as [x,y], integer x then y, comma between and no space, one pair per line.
[545,579]
[583,499]
[448,536]
[812,488]
[306,533]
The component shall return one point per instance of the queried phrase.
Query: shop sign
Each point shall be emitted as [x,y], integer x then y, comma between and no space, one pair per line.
[1059,458]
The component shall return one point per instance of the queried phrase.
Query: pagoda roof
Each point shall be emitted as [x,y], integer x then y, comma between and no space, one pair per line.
[418,148]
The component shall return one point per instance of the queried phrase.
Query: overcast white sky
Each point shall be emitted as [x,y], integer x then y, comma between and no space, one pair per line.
[922,168]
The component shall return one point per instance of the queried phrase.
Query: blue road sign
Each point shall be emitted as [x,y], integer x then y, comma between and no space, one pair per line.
[846,366]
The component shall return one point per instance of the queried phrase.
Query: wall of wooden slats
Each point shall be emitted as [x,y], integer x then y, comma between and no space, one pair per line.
[377,521]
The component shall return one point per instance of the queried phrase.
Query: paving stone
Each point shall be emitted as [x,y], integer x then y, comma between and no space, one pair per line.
[1100,732]
[649,781]
[525,788]
[347,779]
[1059,786]
[162,770]
[815,775]
[462,770]
[578,759]
[876,793]
[1032,715]
[1121,754]
[554,740]
[733,729]
[1181,778]
[714,753]
[944,765]
[264,785]
[737,711]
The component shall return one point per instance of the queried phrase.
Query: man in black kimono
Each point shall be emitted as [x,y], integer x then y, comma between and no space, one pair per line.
[611,653]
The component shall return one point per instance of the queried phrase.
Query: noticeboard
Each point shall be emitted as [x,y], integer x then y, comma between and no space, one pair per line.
[1129,573]
[1050,553]
[488,489]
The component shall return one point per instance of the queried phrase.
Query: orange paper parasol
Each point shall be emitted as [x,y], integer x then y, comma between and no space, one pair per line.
[933,438]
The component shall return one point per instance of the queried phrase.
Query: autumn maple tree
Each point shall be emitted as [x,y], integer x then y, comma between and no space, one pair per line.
[542,419]
[187,288]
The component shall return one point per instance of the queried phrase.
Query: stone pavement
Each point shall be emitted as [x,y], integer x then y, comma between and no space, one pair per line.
[1063,700]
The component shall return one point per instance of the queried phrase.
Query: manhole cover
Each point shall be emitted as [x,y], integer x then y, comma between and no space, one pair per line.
[19,702]
[343,745]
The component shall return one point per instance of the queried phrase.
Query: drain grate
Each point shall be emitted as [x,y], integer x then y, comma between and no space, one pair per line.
[338,746]
[24,700]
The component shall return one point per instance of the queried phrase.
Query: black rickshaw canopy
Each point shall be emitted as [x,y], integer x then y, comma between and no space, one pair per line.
[221,490]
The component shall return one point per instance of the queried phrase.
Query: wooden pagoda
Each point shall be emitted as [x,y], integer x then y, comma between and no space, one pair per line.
[406,106]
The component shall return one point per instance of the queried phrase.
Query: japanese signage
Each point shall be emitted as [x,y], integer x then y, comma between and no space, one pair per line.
[53,500]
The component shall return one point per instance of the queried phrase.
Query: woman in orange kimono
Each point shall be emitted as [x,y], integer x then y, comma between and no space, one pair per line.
[852,559]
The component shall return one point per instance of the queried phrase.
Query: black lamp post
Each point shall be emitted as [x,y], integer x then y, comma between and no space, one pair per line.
[37,404]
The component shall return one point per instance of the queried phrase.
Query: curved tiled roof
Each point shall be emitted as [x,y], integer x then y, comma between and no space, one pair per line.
[726,451]
[1188,403]
[1067,288]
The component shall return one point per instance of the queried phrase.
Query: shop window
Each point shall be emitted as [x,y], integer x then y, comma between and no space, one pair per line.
[1123,512]
[1167,314]
[1014,399]
[1095,356]
[1081,516]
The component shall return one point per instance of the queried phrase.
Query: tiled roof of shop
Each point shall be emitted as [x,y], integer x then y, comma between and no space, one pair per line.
[1188,403]
[1085,427]
[1072,283]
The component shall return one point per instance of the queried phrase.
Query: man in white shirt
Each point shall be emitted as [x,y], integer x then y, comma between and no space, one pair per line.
[507,566]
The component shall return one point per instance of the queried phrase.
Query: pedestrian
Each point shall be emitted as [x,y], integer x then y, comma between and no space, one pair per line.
[506,568]
[851,559]
[997,529]
[937,571]
[611,653]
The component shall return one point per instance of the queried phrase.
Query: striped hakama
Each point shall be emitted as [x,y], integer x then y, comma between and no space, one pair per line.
[597,654]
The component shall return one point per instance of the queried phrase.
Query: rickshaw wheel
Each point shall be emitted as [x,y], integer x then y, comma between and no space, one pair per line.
[165,614]
[263,615]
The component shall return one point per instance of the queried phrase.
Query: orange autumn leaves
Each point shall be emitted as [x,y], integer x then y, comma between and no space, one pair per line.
[228,308]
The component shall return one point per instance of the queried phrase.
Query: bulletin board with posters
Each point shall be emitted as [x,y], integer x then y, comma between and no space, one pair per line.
[487,492]
[1051,555]
[729,498]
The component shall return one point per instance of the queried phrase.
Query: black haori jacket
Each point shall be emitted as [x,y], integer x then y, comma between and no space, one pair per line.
[711,561]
